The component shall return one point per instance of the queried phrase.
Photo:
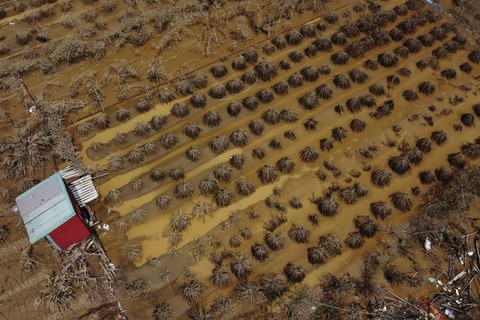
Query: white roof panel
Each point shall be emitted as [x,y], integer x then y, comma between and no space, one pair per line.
[83,190]
[45,207]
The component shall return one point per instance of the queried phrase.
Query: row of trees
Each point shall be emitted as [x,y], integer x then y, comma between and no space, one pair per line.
[269,287]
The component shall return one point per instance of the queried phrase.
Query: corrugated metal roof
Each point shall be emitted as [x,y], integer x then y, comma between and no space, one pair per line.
[69,172]
[71,232]
[83,190]
[45,207]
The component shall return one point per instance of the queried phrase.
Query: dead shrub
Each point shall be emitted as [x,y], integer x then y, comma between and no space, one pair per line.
[380,210]
[299,234]
[202,209]
[294,273]
[234,86]
[239,138]
[327,206]
[266,174]
[399,164]
[198,80]
[217,91]
[340,58]
[468,119]
[208,186]
[341,81]
[122,115]
[244,187]
[316,255]
[426,177]
[142,129]
[212,119]
[219,70]
[73,49]
[183,191]
[366,226]
[114,196]
[137,215]
[265,70]
[168,141]
[165,95]
[285,165]
[293,37]
[4,233]
[466,67]
[220,277]
[354,240]
[330,244]
[401,201]
[23,37]
[162,311]
[158,122]
[58,294]
[180,110]
[248,293]
[444,175]
[237,161]
[439,137]
[116,163]
[177,173]
[4,49]
[158,175]
[234,109]
[144,105]
[258,153]
[279,42]
[381,177]
[387,60]
[134,253]
[192,130]
[275,241]
[184,88]
[272,286]
[191,291]
[180,221]
[101,121]
[223,197]
[83,129]
[260,251]
[219,144]
[163,202]
[241,267]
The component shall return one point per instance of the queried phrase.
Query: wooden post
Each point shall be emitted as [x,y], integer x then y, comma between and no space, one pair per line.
[29,94]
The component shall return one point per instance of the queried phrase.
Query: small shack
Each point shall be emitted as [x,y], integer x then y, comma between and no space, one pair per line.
[52,209]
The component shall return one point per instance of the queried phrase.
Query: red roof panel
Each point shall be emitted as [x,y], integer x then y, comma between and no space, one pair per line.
[72,231]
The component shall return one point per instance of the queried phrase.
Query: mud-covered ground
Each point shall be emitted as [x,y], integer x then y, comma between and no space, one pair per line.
[245,149]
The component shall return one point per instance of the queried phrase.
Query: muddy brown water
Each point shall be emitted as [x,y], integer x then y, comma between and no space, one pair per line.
[302,184]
